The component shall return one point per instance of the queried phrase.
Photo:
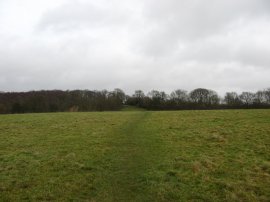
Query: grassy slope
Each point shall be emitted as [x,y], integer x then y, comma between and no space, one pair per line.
[136,156]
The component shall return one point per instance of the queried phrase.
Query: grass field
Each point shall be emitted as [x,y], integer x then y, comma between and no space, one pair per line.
[136,156]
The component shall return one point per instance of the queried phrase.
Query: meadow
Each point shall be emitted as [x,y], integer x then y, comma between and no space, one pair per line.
[216,155]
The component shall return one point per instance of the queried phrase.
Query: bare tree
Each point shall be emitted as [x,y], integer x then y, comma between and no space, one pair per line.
[157,96]
[259,97]
[247,98]
[137,98]
[139,94]
[204,96]
[267,95]
[119,94]
[232,98]
[179,96]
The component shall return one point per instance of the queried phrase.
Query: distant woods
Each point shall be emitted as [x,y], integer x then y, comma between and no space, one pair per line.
[86,100]
[60,101]
[199,98]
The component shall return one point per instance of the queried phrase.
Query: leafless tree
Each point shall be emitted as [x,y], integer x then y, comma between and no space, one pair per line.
[247,98]
[139,94]
[204,96]
[267,95]
[232,98]
[179,96]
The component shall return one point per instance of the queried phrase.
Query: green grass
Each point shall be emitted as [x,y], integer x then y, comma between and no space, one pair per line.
[132,108]
[136,156]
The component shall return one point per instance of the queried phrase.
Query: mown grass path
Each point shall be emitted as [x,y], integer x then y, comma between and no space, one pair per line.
[135,153]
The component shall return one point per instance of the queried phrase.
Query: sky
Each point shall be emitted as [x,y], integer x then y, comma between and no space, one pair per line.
[222,45]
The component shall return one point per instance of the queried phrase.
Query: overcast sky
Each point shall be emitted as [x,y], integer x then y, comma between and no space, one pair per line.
[223,45]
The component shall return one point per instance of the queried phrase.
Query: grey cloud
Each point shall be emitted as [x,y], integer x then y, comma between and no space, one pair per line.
[75,15]
[222,45]
[196,18]
[172,22]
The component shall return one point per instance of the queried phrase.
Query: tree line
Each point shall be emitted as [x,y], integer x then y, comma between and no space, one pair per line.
[199,98]
[60,101]
[86,100]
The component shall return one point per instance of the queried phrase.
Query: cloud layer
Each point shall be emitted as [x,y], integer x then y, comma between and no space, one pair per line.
[67,44]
